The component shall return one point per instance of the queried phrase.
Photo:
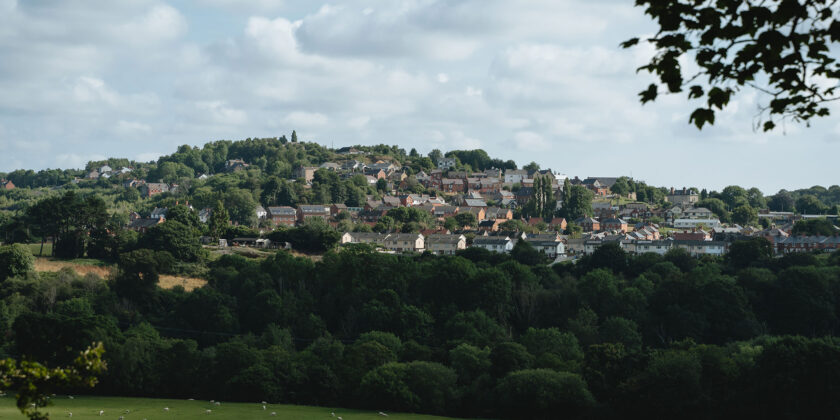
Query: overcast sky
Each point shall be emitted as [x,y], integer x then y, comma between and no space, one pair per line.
[541,80]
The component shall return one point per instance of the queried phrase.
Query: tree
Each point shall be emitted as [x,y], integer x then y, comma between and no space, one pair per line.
[219,220]
[543,394]
[782,201]
[578,203]
[381,185]
[745,215]
[294,136]
[15,260]
[466,219]
[780,49]
[33,382]
[174,237]
[532,167]
[435,155]
[809,227]
[809,204]
[621,186]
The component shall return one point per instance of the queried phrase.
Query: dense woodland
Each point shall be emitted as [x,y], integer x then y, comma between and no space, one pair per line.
[475,335]
[478,334]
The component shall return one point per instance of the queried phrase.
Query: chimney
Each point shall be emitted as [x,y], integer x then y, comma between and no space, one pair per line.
[672,190]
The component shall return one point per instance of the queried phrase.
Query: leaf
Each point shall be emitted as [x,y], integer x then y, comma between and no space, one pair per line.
[701,116]
[769,125]
[629,43]
[695,91]
[649,94]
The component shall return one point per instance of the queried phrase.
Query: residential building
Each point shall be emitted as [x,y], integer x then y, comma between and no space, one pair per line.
[684,197]
[452,185]
[204,214]
[363,238]
[6,184]
[405,242]
[305,172]
[514,176]
[234,165]
[493,243]
[142,225]
[261,212]
[153,188]
[159,213]
[445,244]
[446,163]
[550,248]
[306,212]
[588,224]
[696,223]
[614,224]
[283,215]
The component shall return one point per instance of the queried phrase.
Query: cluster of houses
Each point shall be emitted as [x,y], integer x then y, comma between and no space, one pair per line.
[106,172]
[491,196]
[448,244]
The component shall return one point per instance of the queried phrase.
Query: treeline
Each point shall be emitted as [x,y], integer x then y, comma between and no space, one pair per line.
[479,334]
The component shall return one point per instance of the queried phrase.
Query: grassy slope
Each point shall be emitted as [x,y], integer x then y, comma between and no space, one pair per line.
[148,408]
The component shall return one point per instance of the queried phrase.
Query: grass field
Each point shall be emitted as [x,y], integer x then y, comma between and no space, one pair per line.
[86,265]
[147,408]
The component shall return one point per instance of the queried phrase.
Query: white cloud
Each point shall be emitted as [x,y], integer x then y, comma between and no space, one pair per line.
[531,141]
[219,112]
[132,128]
[161,23]
[305,119]
[91,78]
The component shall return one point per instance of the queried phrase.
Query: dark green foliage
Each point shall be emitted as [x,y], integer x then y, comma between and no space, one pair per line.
[15,260]
[814,227]
[174,237]
[777,48]
[544,394]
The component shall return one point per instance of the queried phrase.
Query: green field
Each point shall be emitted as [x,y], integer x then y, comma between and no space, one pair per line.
[149,408]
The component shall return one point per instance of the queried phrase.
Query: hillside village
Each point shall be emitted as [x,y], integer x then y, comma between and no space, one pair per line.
[461,207]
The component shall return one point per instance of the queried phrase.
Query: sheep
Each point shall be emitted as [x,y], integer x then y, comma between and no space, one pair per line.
[218,403]
[383,414]
[273,413]
[70,396]
[165,408]
[101,412]
[69,414]
[264,402]
[263,407]
[208,411]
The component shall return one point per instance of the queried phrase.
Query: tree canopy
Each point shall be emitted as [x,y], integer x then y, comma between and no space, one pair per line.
[781,49]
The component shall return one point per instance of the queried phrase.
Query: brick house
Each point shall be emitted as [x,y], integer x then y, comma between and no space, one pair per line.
[283,215]
[452,185]
[305,212]
[589,224]
[6,184]
[153,188]
[614,224]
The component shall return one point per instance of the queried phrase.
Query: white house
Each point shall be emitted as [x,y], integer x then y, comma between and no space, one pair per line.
[363,238]
[550,248]
[261,212]
[493,243]
[513,176]
[405,242]
[446,163]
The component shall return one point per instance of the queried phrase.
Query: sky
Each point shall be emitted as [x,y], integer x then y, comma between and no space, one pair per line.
[542,80]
